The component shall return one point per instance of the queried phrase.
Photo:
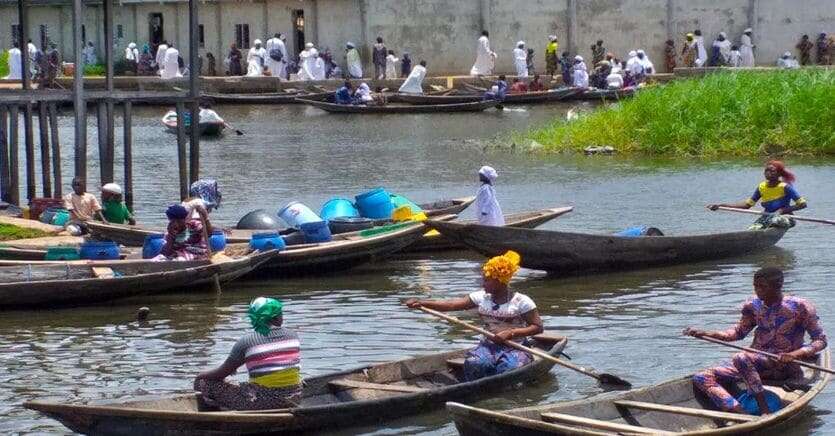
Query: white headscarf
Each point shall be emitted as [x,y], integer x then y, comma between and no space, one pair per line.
[552,38]
[489,172]
[633,53]
[112,188]
[487,206]
[520,44]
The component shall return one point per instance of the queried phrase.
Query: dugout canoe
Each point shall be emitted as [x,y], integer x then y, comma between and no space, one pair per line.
[671,407]
[434,241]
[522,98]
[215,128]
[604,94]
[267,98]
[396,108]
[563,253]
[54,283]
[134,236]
[363,396]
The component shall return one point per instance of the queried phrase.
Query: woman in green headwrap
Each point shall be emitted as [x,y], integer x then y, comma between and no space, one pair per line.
[271,354]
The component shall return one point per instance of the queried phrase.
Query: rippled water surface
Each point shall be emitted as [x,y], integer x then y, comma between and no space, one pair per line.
[626,323]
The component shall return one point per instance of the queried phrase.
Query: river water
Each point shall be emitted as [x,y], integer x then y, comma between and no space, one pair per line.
[626,323]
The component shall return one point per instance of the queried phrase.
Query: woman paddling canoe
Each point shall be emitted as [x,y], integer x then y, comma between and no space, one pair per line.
[510,315]
[271,355]
[775,194]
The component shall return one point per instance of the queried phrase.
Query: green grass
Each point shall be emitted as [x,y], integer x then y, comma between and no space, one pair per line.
[729,113]
[9,232]
[94,70]
[4,64]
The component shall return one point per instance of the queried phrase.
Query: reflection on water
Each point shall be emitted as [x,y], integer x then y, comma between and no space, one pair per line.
[624,323]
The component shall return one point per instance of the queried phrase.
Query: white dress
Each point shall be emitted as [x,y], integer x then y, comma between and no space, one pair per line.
[484,58]
[318,68]
[520,61]
[255,62]
[170,64]
[701,57]
[276,68]
[614,81]
[746,50]
[304,67]
[352,58]
[160,58]
[391,67]
[414,83]
[15,65]
[581,75]
[487,206]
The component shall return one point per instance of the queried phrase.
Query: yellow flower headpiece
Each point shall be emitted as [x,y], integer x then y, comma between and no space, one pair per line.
[502,268]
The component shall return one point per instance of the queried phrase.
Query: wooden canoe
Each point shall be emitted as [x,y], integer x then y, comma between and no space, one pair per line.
[395,108]
[367,395]
[267,98]
[570,253]
[522,98]
[134,236]
[56,283]
[604,94]
[672,407]
[205,129]
[434,241]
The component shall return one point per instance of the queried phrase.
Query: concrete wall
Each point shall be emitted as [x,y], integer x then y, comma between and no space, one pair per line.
[445,32]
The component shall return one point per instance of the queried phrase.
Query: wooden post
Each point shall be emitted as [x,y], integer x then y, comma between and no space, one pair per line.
[194,91]
[56,149]
[14,158]
[128,139]
[107,9]
[78,94]
[4,154]
[109,139]
[105,159]
[181,149]
[43,128]
[23,23]
[29,137]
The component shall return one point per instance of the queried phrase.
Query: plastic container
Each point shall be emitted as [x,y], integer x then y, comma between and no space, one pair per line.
[345,225]
[153,245]
[106,250]
[375,204]
[750,405]
[399,201]
[338,208]
[316,232]
[260,219]
[295,214]
[217,241]
[47,215]
[61,218]
[266,241]
[294,238]
[638,231]
[62,253]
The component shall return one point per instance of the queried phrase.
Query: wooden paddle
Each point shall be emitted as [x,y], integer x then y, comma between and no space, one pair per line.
[764,353]
[601,377]
[794,217]
[237,132]
[204,220]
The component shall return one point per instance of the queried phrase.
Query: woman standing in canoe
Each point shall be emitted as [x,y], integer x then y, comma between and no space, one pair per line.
[775,194]
[271,355]
[509,315]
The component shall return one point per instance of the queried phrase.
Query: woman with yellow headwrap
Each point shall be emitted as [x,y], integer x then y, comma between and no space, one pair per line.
[509,315]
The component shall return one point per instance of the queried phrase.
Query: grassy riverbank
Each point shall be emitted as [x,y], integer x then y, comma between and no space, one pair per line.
[733,113]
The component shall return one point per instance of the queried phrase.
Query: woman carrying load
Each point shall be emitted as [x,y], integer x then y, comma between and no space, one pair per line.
[509,315]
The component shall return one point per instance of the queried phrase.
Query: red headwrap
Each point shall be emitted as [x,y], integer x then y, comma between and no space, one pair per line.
[785,174]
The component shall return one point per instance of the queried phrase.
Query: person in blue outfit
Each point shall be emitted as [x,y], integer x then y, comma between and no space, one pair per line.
[498,91]
[344,94]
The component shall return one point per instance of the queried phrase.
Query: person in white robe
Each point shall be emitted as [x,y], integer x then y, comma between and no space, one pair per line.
[724,47]
[305,67]
[614,80]
[414,83]
[15,64]
[486,204]
[171,64]
[89,54]
[646,64]
[352,58]
[485,58]
[363,94]
[701,50]
[160,57]
[33,52]
[318,70]
[787,61]
[520,59]
[735,58]
[391,65]
[132,53]
[747,48]
[634,65]
[255,60]
[207,115]
[581,73]
[275,48]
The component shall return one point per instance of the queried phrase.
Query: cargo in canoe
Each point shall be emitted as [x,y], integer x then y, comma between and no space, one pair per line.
[134,236]
[521,98]
[434,241]
[672,407]
[562,253]
[213,128]
[364,396]
[267,98]
[56,283]
[396,108]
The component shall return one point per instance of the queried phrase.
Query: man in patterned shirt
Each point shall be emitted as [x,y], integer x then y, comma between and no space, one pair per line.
[781,323]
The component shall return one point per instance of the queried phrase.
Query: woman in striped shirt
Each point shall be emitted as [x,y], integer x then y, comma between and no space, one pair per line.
[271,355]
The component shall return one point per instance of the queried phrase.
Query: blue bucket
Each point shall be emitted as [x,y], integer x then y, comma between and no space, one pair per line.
[375,204]
[316,232]
[338,208]
[266,241]
[295,214]
[153,245]
[217,241]
[107,250]
[750,405]
[638,231]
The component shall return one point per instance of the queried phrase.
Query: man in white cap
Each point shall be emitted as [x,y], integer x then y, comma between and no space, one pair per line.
[255,60]
[114,209]
[486,205]
[352,58]
[520,59]
[723,47]
[746,49]
[581,73]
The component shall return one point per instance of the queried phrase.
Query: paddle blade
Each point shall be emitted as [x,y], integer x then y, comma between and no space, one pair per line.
[611,379]
[239,133]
